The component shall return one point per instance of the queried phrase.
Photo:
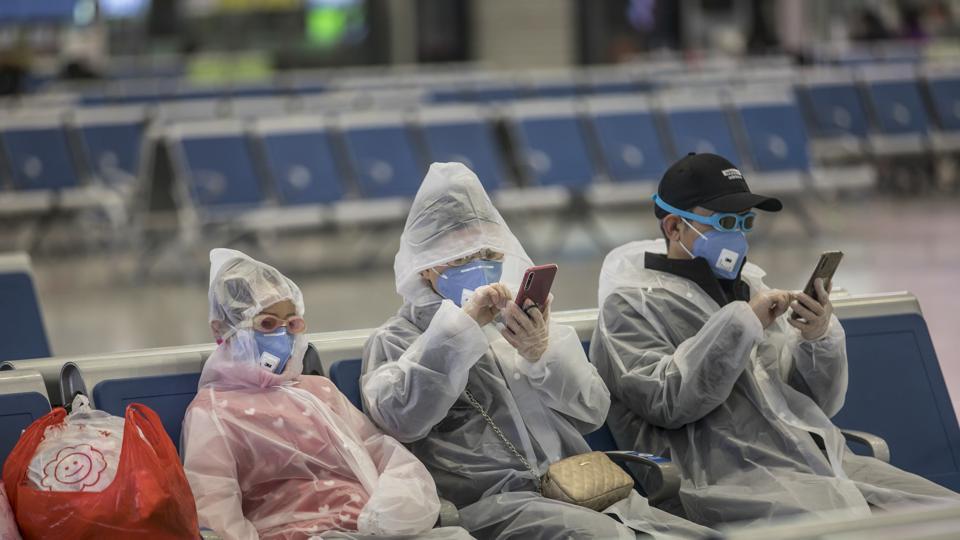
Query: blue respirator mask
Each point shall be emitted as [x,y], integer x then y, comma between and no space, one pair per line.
[458,282]
[725,251]
[275,349]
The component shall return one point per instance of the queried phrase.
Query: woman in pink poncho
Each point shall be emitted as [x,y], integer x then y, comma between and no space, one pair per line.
[274,454]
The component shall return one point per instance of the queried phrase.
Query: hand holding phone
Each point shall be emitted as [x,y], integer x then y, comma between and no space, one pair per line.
[812,309]
[527,329]
[812,317]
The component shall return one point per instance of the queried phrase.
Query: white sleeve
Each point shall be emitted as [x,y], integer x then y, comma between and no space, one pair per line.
[409,396]
[567,382]
[672,386]
[820,368]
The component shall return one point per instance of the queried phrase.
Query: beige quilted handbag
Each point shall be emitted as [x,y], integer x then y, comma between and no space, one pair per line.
[591,480]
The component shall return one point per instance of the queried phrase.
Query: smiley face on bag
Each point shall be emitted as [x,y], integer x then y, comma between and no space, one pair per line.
[74,469]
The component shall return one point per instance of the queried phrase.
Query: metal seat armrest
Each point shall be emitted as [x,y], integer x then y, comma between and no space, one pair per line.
[878,447]
[449,514]
[660,480]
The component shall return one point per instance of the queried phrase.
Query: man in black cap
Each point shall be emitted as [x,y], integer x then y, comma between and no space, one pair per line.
[703,366]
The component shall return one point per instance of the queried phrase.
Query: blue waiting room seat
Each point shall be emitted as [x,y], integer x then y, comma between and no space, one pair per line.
[697,122]
[215,168]
[38,153]
[775,140]
[23,400]
[626,131]
[42,168]
[897,392]
[463,134]
[300,160]
[551,144]
[345,375]
[381,154]
[900,124]
[166,395]
[22,333]
[493,91]
[775,133]
[943,95]
[164,380]
[835,114]
[616,80]
[111,139]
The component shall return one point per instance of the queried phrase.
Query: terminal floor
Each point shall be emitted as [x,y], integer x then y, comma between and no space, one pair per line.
[92,304]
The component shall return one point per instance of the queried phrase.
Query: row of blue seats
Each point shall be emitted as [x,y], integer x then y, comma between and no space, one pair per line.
[893,110]
[226,168]
[594,145]
[561,143]
[836,106]
[888,345]
[43,153]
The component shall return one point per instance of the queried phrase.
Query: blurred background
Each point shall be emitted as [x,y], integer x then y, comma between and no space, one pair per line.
[135,135]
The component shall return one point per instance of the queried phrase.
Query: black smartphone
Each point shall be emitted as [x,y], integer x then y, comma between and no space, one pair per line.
[825,269]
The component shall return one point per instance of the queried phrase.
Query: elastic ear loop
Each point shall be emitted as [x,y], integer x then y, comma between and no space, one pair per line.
[694,230]
[233,330]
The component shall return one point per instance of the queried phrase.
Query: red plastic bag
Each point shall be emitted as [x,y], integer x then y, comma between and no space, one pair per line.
[148,498]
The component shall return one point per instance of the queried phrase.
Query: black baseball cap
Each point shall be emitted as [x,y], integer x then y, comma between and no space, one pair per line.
[712,182]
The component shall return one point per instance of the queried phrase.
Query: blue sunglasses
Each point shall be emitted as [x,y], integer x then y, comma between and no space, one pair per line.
[725,222]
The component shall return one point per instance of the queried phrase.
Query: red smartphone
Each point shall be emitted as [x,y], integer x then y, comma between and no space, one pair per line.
[536,285]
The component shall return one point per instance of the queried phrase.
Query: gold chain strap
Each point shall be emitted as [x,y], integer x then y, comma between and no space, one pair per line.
[496,429]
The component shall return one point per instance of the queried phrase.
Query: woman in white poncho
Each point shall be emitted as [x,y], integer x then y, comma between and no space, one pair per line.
[532,376]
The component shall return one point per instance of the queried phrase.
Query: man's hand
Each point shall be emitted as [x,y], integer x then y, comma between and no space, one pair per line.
[816,315]
[486,302]
[528,330]
[768,305]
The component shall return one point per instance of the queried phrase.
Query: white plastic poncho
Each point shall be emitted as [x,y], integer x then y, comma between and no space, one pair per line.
[418,364]
[283,455]
[733,405]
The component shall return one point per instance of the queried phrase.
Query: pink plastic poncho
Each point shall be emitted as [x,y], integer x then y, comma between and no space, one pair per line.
[8,524]
[282,456]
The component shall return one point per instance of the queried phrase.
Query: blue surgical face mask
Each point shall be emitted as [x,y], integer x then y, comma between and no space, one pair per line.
[724,251]
[458,283]
[274,348]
